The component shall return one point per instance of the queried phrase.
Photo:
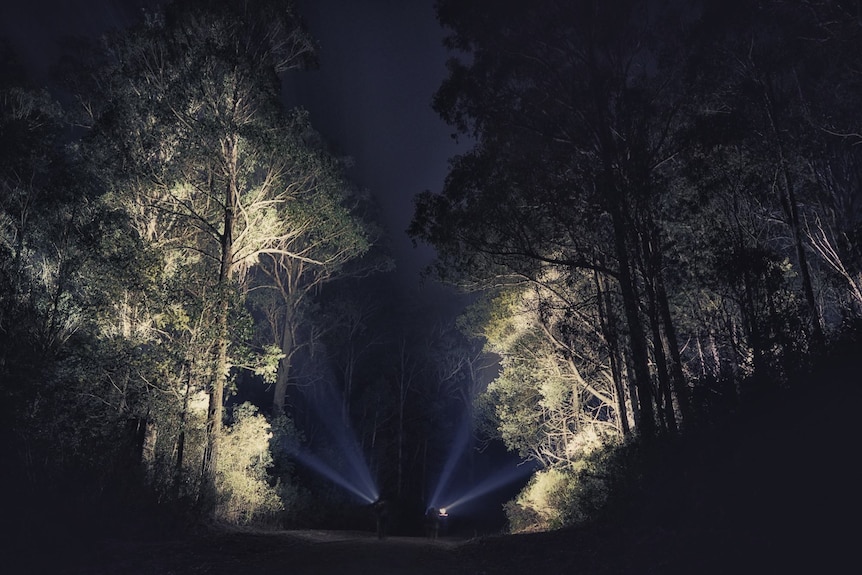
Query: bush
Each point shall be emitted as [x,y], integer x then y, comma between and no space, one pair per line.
[537,506]
[245,495]
[575,494]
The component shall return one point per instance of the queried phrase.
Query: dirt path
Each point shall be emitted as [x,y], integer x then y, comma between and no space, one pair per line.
[263,553]
[598,550]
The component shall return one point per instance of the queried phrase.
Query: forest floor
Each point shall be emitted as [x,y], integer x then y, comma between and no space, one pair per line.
[774,494]
[760,546]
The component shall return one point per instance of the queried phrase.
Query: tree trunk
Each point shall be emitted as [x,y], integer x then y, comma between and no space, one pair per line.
[284,364]
[181,437]
[660,357]
[664,321]
[791,209]
[752,329]
[817,337]
[607,319]
[680,386]
[219,376]
[649,268]
[636,334]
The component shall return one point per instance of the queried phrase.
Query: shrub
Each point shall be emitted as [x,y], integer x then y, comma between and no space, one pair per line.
[537,506]
[577,493]
[245,495]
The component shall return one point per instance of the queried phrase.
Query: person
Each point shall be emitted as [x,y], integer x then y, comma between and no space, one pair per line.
[432,523]
[443,521]
[381,510]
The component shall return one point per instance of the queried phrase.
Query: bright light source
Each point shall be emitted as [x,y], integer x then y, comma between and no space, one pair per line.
[443,512]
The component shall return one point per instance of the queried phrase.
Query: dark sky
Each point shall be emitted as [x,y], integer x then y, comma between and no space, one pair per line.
[380,64]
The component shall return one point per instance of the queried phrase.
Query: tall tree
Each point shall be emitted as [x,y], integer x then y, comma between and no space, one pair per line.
[332,236]
[575,109]
[190,112]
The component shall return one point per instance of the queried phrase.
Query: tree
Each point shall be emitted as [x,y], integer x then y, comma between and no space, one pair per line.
[331,238]
[70,354]
[554,399]
[189,115]
[575,110]
[245,492]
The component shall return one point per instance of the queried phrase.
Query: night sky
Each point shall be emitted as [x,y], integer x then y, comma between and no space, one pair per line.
[380,63]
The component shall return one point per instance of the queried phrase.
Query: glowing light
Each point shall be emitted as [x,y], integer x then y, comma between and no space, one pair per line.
[495,481]
[312,462]
[443,512]
[328,409]
[458,448]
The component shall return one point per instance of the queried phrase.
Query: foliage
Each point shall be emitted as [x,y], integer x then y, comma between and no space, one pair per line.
[552,399]
[245,495]
[126,245]
[660,209]
[644,200]
[537,506]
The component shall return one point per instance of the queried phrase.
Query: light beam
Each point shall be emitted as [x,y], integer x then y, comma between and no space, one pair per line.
[495,481]
[314,463]
[458,448]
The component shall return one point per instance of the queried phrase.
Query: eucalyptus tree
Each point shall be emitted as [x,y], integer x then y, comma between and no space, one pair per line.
[188,116]
[333,235]
[350,333]
[830,85]
[555,398]
[65,255]
[30,127]
[768,55]
[773,163]
[575,108]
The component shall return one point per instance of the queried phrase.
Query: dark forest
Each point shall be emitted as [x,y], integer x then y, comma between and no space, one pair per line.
[653,237]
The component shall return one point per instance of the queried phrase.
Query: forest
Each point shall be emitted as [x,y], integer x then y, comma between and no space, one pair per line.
[657,223]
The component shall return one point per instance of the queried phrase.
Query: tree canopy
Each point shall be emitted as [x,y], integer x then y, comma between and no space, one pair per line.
[641,203]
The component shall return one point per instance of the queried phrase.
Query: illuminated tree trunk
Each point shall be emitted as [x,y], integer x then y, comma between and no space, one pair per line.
[607,319]
[219,376]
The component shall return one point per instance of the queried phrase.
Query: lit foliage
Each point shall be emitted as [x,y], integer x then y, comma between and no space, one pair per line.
[553,401]
[245,495]
[189,138]
[537,506]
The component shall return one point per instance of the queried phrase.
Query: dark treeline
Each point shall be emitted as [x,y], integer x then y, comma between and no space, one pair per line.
[188,294]
[662,207]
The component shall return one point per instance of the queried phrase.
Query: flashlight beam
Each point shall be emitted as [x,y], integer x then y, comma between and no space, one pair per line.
[455,454]
[323,469]
[491,483]
[344,438]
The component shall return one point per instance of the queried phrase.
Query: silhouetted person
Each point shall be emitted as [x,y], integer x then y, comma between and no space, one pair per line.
[381,510]
[432,523]
[443,521]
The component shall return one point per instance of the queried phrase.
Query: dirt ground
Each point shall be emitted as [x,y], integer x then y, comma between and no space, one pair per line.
[597,550]
[337,553]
